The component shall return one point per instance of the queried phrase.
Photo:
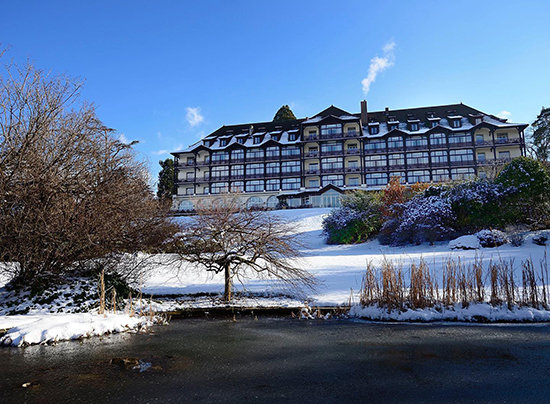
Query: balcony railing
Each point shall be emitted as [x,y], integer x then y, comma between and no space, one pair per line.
[220,162]
[312,154]
[417,147]
[460,144]
[309,138]
[332,153]
[489,162]
[312,172]
[374,151]
[352,152]
[353,169]
[290,157]
[376,168]
[203,163]
[332,170]
[271,158]
[418,165]
[463,163]
[332,136]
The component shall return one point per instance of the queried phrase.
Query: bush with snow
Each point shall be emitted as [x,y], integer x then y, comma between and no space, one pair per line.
[356,220]
[541,238]
[491,238]
[423,219]
[468,242]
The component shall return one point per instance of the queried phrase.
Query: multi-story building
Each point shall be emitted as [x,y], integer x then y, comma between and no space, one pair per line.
[312,161]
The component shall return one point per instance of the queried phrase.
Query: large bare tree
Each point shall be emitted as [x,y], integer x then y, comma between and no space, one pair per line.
[70,191]
[227,238]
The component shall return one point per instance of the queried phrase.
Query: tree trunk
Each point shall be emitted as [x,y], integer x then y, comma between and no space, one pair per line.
[228,285]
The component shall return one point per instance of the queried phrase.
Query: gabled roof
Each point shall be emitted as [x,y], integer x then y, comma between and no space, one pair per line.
[332,110]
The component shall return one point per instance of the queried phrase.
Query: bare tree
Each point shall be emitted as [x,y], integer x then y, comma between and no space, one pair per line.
[70,191]
[226,237]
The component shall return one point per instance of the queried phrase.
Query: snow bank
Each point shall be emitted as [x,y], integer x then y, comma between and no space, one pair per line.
[470,242]
[46,328]
[481,312]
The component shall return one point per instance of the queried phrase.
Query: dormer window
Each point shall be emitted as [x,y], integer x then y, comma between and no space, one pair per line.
[433,124]
[374,130]
[292,136]
[393,125]
[414,126]
[456,123]
[223,142]
[207,143]
[257,139]
[275,137]
[240,140]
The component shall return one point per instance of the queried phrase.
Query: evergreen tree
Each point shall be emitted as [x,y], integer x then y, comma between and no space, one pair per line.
[541,134]
[165,187]
[284,114]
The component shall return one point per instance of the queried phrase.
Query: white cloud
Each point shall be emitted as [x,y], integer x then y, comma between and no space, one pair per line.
[159,152]
[504,115]
[194,116]
[378,65]
[122,138]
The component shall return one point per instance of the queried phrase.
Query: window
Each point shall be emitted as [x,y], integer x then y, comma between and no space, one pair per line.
[351,131]
[290,183]
[314,183]
[395,142]
[255,154]
[206,190]
[353,164]
[400,175]
[502,137]
[397,160]
[220,156]
[440,175]
[292,136]
[311,135]
[237,171]
[434,123]
[375,145]
[272,152]
[353,182]
[254,170]
[462,156]
[332,164]
[456,123]
[190,176]
[417,159]
[393,125]
[290,151]
[237,186]
[481,157]
[240,140]
[257,139]
[417,142]
[462,173]
[331,130]
[376,179]
[312,151]
[219,187]
[275,137]
[374,129]
[331,148]
[330,199]
[414,126]
[272,185]
[418,176]
[438,139]
[479,139]
[254,186]
[272,168]
[290,167]
[237,155]
[313,168]
[272,202]
[372,162]
[337,180]
[223,142]
[254,202]
[188,191]
[457,138]
[439,158]
[220,171]
[190,161]
[352,148]
[503,154]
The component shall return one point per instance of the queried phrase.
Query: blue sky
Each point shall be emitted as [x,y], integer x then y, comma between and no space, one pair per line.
[168,72]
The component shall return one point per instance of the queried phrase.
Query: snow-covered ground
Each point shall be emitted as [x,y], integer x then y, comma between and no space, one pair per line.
[340,268]
[52,327]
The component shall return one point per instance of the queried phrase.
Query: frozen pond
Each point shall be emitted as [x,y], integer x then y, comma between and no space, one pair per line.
[275,360]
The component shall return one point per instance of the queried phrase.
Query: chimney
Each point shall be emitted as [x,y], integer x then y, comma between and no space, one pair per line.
[251,130]
[387,111]
[364,113]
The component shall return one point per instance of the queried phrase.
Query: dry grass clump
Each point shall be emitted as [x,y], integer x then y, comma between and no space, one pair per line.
[461,284]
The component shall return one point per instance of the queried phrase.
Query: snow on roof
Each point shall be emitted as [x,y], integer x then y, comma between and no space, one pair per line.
[313,120]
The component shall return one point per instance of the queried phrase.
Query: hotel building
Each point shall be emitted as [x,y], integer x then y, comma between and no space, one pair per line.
[310,162]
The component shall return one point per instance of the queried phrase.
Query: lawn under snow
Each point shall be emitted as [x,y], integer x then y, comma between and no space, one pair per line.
[340,268]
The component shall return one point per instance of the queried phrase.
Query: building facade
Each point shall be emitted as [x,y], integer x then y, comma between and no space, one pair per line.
[312,161]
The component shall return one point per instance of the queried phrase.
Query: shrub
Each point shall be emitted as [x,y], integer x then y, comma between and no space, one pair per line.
[422,219]
[357,219]
[541,238]
[491,238]
[530,185]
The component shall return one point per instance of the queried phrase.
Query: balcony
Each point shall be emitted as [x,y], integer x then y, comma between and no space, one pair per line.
[418,165]
[332,170]
[271,158]
[496,162]
[352,152]
[206,178]
[237,176]
[312,154]
[333,136]
[272,175]
[376,151]
[291,173]
[376,168]
[311,138]
[313,172]
[462,163]
[353,169]
[351,134]
[203,163]
[392,149]
[255,175]
[417,147]
[237,160]
[332,153]
[460,144]
[220,162]
[290,156]
[440,164]
[218,178]
[255,158]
